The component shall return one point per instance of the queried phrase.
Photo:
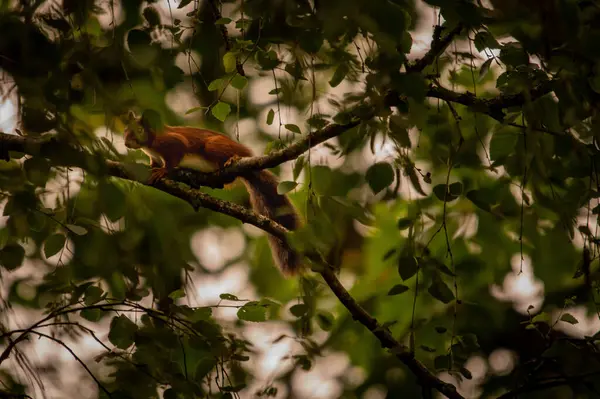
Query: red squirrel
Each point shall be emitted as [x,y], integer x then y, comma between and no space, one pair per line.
[207,151]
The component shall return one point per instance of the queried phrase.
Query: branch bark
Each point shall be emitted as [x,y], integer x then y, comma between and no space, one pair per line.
[67,155]
[198,199]
[438,46]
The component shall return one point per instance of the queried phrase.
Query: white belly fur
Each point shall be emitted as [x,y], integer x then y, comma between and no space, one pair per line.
[198,163]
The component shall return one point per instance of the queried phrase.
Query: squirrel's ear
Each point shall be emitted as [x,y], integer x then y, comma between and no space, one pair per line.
[131,116]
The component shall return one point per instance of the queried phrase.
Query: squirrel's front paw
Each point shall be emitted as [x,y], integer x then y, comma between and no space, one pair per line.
[232,160]
[157,174]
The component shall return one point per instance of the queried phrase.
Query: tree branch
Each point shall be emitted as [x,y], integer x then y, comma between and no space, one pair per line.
[198,199]
[63,154]
[493,107]
[217,13]
[438,46]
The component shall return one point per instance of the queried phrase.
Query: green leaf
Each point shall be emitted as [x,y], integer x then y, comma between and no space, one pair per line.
[466,373]
[405,223]
[180,293]
[270,117]
[122,332]
[140,45]
[440,291]
[221,110]
[455,189]
[78,230]
[229,297]
[286,186]
[204,366]
[216,84]
[54,244]
[399,131]
[37,170]
[483,199]
[338,76]
[569,318]
[299,310]
[407,267]
[485,40]
[325,320]
[252,311]
[503,143]
[239,81]
[398,289]
[298,166]
[223,21]
[170,394]
[112,201]
[229,61]
[442,195]
[292,128]
[380,176]
[11,256]
[203,313]
[183,3]
[92,315]
[485,67]
[93,294]
[194,109]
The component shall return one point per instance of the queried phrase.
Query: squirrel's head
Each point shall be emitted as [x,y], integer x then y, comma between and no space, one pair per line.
[140,131]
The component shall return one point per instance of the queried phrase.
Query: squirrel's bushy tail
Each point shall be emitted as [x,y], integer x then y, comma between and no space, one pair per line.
[262,188]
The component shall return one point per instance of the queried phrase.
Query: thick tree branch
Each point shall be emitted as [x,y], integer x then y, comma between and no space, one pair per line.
[66,155]
[198,199]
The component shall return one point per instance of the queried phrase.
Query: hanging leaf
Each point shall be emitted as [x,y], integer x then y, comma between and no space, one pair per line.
[183,3]
[405,223]
[293,128]
[229,61]
[324,320]
[407,267]
[299,310]
[440,291]
[380,176]
[252,311]
[11,256]
[485,67]
[285,187]
[78,230]
[398,289]
[229,297]
[298,166]
[270,117]
[221,111]
[569,318]
[54,244]
[239,81]
[93,294]
[122,332]
[338,76]
[216,84]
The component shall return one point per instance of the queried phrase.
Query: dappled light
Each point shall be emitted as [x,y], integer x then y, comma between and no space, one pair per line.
[299,199]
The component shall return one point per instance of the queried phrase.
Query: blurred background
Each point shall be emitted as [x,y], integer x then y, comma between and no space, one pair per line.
[484,282]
